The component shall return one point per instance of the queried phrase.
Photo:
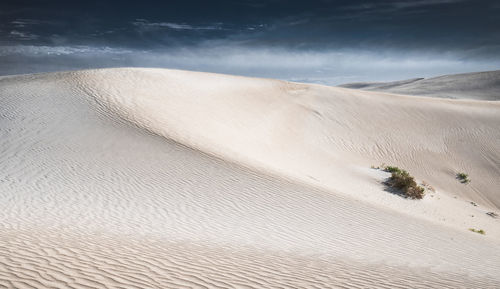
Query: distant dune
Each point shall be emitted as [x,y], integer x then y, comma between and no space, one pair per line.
[476,85]
[156,178]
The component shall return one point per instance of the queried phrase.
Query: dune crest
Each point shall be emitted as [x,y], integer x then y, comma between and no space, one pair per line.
[324,136]
[476,85]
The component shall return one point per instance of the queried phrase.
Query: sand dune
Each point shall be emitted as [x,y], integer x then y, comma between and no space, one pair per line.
[476,85]
[162,178]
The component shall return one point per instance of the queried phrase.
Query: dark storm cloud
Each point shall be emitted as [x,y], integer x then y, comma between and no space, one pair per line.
[287,22]
[284,39]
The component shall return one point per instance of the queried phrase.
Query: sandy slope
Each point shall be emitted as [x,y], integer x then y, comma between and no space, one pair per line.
[476,85]
[109,179]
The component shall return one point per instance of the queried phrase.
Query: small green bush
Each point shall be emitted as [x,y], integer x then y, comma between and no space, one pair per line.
[391,169]
[481,231]
[463,178]
[401,180]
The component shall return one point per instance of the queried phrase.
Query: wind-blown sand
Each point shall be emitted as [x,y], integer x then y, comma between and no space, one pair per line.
[170,179]
[475,85]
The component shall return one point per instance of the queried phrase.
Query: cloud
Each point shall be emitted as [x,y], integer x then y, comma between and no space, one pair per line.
[24,29]
[34,50]
[329,67]
[22,35]
[20,23]
[175,26]
[419,3]
[394,5]
[380,9]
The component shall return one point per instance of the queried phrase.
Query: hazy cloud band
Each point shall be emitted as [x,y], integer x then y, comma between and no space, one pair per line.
[326,67]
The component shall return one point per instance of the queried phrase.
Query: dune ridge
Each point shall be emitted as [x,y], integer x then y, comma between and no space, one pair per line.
[220,181]
[475,85]
[311,132]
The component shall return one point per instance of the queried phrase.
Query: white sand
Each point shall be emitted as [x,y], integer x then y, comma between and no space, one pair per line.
[475,85]
[164,178]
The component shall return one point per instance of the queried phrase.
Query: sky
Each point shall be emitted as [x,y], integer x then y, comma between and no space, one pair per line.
[328,42]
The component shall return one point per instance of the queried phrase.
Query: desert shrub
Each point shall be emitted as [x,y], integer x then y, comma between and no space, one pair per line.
[481,231]
[416,192]
[392,169]
[401,180]
[463,178]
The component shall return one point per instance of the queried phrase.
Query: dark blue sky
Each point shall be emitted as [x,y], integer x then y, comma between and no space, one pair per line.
[318,41]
